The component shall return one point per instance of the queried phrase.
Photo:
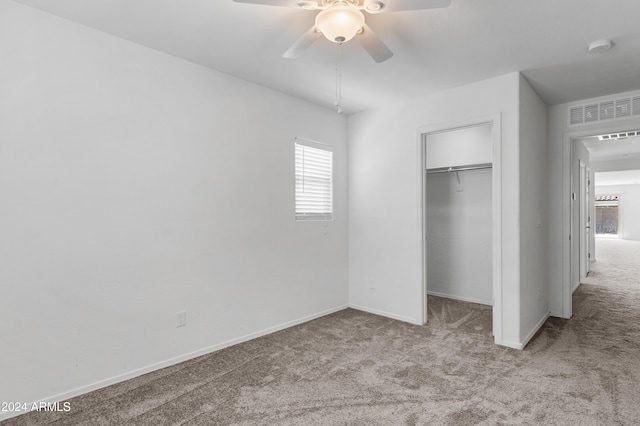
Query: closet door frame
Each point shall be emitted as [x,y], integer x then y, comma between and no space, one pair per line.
[496,186]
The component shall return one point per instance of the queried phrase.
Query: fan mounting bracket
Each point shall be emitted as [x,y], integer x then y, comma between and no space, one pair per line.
[329,3]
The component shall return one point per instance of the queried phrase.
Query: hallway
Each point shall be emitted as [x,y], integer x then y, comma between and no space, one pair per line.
[617,264]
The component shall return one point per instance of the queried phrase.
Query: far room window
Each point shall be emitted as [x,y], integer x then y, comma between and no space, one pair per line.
[314,181]
[607,214]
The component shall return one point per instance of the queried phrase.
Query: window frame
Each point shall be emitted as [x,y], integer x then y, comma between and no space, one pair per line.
[313,161]
[607,201]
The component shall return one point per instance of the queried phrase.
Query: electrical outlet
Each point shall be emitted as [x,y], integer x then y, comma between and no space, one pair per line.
[181,318]
[371,285]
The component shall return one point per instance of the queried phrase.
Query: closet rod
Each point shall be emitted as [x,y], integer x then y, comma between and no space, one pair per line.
[459,169]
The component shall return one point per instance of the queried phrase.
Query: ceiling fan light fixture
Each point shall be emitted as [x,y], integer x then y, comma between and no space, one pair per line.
[340,23]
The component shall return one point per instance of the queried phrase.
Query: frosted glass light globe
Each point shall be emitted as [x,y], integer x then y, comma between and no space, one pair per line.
[340,23]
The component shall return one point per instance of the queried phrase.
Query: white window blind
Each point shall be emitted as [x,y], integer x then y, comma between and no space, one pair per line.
[314,183]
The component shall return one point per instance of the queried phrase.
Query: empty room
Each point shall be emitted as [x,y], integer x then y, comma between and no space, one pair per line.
[332,212]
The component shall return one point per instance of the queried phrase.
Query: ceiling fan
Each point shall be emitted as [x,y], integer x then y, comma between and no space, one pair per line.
[342,20]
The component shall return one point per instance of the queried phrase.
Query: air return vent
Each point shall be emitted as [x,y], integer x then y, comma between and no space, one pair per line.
[590,113]
[577,115]
[623,108]
[606,110]
[636,106]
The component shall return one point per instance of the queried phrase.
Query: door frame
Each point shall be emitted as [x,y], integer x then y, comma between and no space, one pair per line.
[584,194]
[495,120]
[568,215]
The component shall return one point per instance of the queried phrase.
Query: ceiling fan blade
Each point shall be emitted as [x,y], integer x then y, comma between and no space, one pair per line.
[383,6]
[284,3]
[373,45]
[302,43]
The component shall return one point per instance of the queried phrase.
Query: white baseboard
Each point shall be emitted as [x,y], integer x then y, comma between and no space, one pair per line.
[464,299]
[385,314]
[169,362]
[575,286]
[528,337]
[509,344]
[535,329]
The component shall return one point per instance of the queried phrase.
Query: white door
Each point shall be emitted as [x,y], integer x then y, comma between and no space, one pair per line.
[584,229]
[588,213]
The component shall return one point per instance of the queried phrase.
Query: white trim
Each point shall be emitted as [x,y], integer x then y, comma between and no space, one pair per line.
[496,134]
[597,101]
[509,344]
[313,183]
[575,287]
[422,224]
[172,361]
[534,330]
[312,143]
[385,314]
[464,299]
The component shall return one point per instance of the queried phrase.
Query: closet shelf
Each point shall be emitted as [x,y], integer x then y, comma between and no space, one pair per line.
[459,168]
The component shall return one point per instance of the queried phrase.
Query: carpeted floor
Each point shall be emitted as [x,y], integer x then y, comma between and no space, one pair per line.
[354,368]
[617,263]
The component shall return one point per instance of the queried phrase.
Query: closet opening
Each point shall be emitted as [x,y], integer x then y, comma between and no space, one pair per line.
[461,223]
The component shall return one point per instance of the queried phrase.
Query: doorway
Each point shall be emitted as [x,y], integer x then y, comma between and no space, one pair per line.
[608,150]
[457,171]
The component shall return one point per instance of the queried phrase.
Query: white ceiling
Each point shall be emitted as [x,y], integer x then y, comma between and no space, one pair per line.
[469,41]
[617,149]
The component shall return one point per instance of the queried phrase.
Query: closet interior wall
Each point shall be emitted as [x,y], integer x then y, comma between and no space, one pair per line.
[459,214]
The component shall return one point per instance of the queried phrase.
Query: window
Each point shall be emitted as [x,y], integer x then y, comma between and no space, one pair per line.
[607,214]
[314,181]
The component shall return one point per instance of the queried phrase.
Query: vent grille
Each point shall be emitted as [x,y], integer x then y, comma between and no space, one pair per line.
[623,108]
[591,113]
[621,135]
[577,115]
[636,106]
[606,110]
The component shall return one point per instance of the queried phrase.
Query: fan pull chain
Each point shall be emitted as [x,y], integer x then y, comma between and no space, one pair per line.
[338,102]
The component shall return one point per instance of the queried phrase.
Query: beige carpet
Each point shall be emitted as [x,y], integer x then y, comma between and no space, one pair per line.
[354,368]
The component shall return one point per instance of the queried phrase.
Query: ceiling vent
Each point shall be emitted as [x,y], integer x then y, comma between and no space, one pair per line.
[620,135]
[623,108]
[606,110]
[636,106]
[591,113]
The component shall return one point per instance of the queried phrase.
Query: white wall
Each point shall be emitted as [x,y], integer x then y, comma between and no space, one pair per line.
[460,147]
[615,165]
[534,293]
[459,230]
[629,209]
[384,198]
[133,185]
[559,133]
